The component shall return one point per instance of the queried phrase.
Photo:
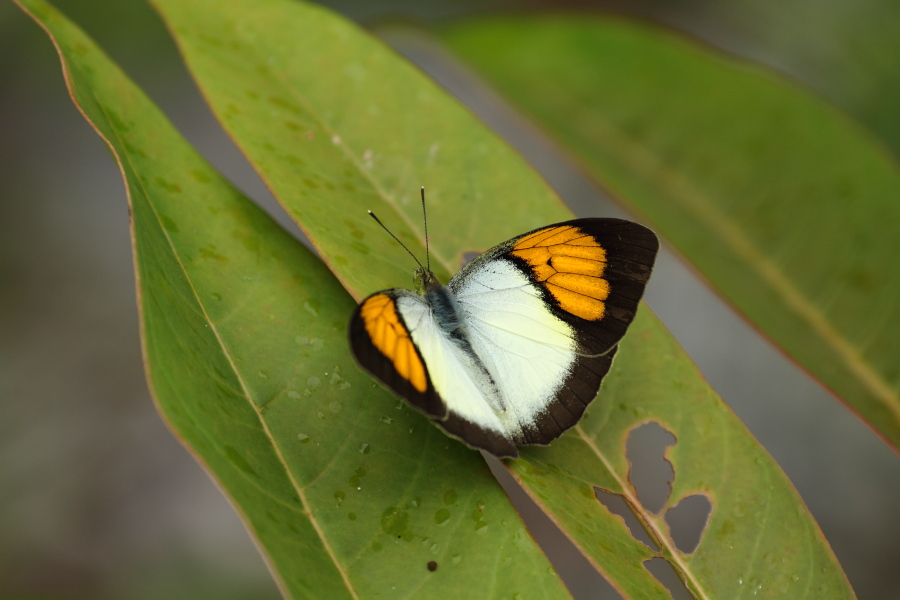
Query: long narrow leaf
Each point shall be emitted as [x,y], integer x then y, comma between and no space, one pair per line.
[348,493]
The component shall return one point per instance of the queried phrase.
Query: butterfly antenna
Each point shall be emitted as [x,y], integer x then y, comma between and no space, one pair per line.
[425,219]
[377,220]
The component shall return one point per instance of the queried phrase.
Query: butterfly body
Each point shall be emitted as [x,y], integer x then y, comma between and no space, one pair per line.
[513,349]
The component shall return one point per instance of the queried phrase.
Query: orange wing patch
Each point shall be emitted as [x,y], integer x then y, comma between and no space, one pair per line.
[570,263]
[379,315]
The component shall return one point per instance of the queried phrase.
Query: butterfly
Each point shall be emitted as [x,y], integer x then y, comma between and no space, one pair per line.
[513,349]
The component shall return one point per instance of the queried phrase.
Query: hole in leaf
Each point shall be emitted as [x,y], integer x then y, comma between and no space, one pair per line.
[665,573]
[617,505]
[651,474]
[468,257]
[687,520]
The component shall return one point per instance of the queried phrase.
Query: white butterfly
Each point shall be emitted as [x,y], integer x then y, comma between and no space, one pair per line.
[514,348]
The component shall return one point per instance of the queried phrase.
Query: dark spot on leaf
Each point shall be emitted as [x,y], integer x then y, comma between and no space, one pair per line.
[285,104]
[356,478]
[208,39]
[117,121]
[395,521]
[210,253]
[168,224]
[725,530]
[200,176]
[432,565]
[239,461]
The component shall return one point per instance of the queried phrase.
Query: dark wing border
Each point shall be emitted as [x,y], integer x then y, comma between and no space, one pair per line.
[476,437]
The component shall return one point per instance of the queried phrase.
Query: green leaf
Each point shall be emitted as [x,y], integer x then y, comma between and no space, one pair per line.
[265,65]
[349,493]
[785,206]
[336,124]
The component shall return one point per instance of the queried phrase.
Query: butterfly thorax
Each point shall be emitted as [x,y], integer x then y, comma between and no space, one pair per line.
[443,305]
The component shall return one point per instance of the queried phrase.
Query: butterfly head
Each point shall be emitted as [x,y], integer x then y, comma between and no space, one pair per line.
[425,281]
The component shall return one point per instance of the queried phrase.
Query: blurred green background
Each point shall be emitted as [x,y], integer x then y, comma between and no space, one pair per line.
[98,500]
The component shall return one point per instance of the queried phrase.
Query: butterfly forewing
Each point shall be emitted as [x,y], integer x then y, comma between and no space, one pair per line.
[381,342]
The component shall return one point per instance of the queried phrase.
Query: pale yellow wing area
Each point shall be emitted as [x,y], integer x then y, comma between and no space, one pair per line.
[379,315]
[570,263]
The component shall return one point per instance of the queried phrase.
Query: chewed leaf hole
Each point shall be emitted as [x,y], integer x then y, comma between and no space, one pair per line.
[651,475]
[468,257]
[665,573]
[687,520]
[619,506]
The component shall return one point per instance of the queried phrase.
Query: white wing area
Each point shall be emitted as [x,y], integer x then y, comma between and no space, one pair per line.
[527,349]
[451,369]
